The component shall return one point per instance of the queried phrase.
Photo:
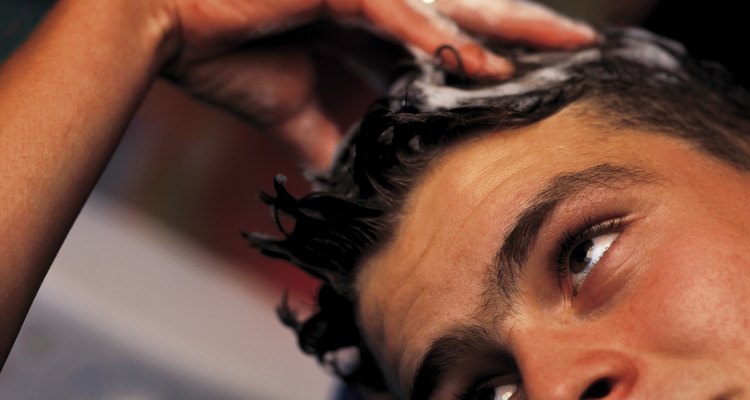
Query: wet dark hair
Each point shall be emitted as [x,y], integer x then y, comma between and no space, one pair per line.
[631,79]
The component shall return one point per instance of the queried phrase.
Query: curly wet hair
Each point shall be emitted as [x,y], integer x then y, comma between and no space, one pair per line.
[630,79]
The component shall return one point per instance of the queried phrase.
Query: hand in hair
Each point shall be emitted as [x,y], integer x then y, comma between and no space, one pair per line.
[68,93]
[274,86]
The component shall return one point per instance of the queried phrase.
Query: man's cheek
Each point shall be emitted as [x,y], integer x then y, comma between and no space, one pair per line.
[689,302]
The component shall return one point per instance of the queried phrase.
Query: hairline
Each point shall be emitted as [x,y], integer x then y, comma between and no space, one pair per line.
[594,117]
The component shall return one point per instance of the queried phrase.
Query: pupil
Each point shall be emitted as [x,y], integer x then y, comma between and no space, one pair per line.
[580,256]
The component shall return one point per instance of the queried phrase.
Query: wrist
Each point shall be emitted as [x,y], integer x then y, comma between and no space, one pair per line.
[159,27]
[149,28]
[164,28]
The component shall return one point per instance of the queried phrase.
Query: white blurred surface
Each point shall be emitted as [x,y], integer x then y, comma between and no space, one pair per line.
[131,311]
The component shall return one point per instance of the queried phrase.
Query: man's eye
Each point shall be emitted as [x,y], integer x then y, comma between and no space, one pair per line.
[586,254]
[579,253]
[490,391]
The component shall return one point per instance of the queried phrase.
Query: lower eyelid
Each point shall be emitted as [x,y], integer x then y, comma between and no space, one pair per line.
[609,240]
[498,382]
[605,288]
[586,230]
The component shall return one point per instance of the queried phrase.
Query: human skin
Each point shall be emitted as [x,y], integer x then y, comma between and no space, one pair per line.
[663,314]
[68,93]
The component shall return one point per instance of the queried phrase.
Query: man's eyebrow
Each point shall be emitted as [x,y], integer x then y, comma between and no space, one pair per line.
[513,253]
[446,352]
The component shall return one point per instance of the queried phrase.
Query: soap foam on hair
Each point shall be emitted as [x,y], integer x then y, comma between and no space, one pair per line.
[429,92]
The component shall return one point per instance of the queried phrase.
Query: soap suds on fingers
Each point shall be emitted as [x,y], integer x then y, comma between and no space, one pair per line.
[428,90]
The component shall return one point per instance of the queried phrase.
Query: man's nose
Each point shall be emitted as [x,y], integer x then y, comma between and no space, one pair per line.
[575,370]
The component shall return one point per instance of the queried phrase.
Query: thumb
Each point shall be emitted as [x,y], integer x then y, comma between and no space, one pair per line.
[310,135]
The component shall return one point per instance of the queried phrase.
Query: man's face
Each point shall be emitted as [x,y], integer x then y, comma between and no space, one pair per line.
[569,261]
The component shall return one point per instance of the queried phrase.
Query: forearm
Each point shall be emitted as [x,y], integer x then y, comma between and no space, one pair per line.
[65,98]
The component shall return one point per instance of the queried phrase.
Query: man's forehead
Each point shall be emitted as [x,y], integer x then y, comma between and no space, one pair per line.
[453,223]
[495,171]
[401,283]
[441,224]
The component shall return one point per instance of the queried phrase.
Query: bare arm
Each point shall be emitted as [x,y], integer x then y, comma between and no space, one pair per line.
[65,98]
[68,93]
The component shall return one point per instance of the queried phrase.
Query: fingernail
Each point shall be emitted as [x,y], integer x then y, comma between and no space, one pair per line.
[586,31]
[483,64]
[495,67]
[579,33]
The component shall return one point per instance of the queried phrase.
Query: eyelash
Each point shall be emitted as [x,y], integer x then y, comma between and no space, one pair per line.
[472,392]
[476,390]
[571,239]
[567,243]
